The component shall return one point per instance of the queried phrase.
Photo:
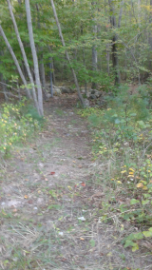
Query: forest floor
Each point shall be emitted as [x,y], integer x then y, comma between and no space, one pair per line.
[51,199]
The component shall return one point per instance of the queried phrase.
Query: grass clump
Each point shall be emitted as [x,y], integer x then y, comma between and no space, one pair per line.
[17,123]
[122,140]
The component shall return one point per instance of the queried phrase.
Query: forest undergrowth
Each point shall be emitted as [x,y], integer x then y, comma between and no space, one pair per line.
[76,191]
[123,141]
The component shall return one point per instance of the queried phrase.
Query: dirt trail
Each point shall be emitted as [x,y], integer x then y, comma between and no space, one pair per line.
[50,204]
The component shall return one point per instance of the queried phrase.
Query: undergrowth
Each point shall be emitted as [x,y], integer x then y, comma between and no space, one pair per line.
[122,139]
[18,122]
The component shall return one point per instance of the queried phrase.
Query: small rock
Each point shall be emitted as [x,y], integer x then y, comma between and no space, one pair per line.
[3,204]
[40,201]
[86,102]
[61,233]
[65,90]
[82,218]
[41,165]
[93,96]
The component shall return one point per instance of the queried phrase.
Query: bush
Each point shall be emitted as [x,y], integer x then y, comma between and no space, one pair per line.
[15,126]
[122,135]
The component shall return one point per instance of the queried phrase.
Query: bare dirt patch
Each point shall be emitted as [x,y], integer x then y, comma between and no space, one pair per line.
[50,205]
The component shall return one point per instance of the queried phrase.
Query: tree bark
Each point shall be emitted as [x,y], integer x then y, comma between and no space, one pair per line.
[24,55]
[16,62]
[4,87]
[67,55]
[94,50]
[34,55]
[114,41]
[150,35]
[42,68]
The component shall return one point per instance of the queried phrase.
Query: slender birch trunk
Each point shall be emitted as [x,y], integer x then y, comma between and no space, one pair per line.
[34,55]
[67,55]
[24,55]
[16,62]
[40,49]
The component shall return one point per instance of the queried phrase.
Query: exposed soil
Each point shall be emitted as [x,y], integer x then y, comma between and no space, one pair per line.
[50,204]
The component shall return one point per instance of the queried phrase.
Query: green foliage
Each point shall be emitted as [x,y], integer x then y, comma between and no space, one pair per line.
[15,126]
[122,135]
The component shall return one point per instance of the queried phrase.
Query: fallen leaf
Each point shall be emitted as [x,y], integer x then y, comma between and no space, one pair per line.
[81,238]
[30,201]
[123,171]
[63,259]
[98,194]
[139,185]
[83,184]
[25,197]
[15,210]
[51,173]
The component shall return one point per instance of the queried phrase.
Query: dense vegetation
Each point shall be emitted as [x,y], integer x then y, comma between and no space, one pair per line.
[104,45]
[106,41]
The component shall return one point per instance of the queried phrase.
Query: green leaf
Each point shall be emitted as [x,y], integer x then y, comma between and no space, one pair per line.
[128,243]
[147,233]
[138,236]
[117,121]
[92,243]
[134,201]
[135,247]
[144,202]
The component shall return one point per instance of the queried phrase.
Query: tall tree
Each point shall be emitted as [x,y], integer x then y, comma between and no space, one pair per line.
[16,62]
[24,55]
[34,56]
[67,54]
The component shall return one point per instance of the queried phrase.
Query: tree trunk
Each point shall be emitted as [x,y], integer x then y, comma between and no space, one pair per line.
[67,55]
[24,55]
[114,42]
[150,36]
[42,68]
[51,78]
[4,87]
[34,55]
[16,62]
[94,50]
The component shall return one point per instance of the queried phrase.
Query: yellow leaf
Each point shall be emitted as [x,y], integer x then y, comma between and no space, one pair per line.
[123,171]
[39,191]
[144,188]
[139,185]
[131,169]
[131,172]
[119,182]
[81,238]
[25,197]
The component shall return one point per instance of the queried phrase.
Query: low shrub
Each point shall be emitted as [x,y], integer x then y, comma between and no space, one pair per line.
[17,123]
[122,137]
